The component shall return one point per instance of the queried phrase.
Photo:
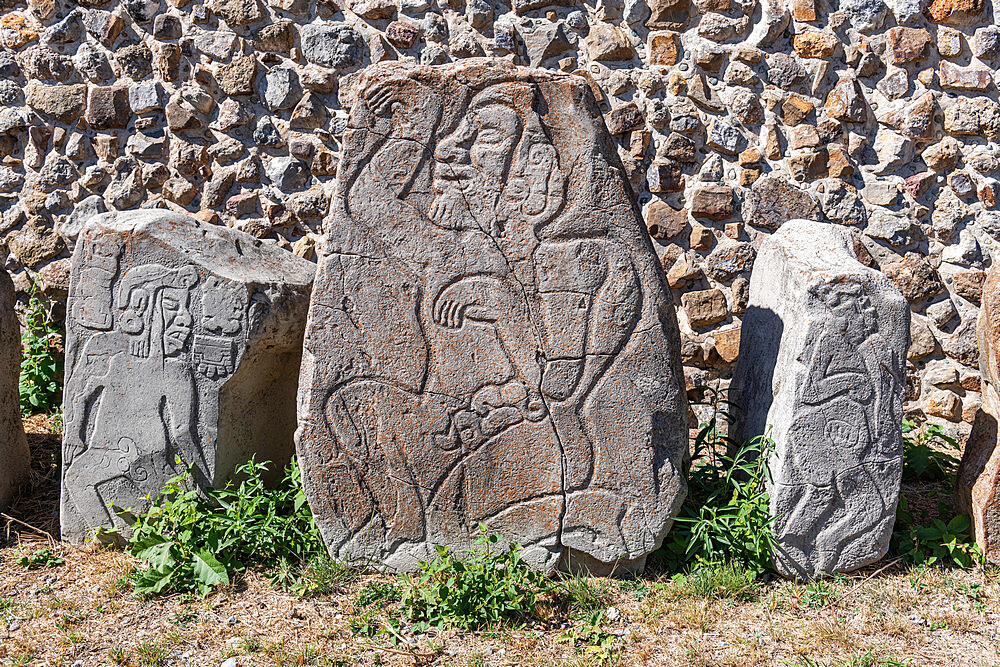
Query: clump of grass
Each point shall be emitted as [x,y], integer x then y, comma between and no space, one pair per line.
[717,581]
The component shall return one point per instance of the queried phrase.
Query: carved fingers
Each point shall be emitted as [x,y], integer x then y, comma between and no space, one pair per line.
[384,98]
[450,314]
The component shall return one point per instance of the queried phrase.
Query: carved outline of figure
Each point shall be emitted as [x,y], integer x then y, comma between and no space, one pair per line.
[534,192]
[848,388]
[156,323]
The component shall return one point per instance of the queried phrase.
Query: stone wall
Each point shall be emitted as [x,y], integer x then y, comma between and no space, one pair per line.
[732,117]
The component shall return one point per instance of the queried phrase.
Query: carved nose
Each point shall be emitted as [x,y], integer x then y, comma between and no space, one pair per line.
[451,153]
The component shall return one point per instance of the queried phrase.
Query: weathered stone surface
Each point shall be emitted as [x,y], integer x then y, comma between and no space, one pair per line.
[906,44]
[955,12]
[978,483]
[335,45]
[704,307]
[13,444]
[914,277]
[65,103]
[238,77]
[822,371]
[183,340]
[773,200]
[108,107]
[970,78]
[500,335]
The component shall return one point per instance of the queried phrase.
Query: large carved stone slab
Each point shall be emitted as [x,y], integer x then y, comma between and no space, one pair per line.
[14,456]
[978,487]
[491,339]
[821,371]
[183,349]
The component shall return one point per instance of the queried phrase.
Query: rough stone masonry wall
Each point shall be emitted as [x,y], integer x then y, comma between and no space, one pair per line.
[732,115]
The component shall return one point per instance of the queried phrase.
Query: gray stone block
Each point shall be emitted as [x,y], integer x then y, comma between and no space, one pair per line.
[821,371]
[183,343]
[491,338]
[14,455]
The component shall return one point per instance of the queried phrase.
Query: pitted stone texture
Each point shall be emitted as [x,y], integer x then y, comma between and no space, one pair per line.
[821,370]
[491,338]
[14,454]
[183,342]
[978,487]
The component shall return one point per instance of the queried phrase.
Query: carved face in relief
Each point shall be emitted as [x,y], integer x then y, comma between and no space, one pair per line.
[852,308]
[176,320]
[153,295]
[498,162]
[479,152]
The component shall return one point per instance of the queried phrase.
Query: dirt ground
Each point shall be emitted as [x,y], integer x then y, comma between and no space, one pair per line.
[82,613]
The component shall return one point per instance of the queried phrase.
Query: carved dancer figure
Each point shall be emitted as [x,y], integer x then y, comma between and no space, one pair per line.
[465,316]
[149,381]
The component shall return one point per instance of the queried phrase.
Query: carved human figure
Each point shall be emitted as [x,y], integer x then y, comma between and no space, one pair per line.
[108,458]
[821,373]
[183,342]
[464,316]
[846,407]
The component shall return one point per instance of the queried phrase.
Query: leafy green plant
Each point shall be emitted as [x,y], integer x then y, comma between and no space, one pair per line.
[926,453]
[193,542]
[935,543]
[40,559]
[599,646]
[489,586]
[817,594]
[40,383]
[725,517]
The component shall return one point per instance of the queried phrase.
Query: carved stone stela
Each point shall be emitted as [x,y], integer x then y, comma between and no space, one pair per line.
[14,454]
[822,372]
[183,346]
[491,338]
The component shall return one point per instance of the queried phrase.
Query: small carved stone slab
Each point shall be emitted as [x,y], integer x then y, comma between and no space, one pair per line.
[14,455]
[821,371]
[491,338]
[183,344]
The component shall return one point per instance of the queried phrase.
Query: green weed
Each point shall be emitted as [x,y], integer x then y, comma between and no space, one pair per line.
[583,595]
[725,517]
[40,383]
[488,586]
[151,653]
[193,542]
[40,559]
[716,581]
[923,458]
[817,594]
[599,647]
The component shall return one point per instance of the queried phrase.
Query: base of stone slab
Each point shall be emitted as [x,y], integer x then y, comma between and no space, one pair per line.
[579,563]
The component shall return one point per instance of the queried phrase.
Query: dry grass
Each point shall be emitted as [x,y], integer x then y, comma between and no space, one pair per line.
[81,613]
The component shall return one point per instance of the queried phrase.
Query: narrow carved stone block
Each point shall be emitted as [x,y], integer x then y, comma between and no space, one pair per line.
[491,338]
[821,371]
[14,456]
[978,487]
[183,349]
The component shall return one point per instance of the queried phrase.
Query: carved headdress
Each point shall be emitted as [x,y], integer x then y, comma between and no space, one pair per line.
[137,297]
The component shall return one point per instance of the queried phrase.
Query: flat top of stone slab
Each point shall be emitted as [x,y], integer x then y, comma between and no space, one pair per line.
[228,253]
[490,330]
